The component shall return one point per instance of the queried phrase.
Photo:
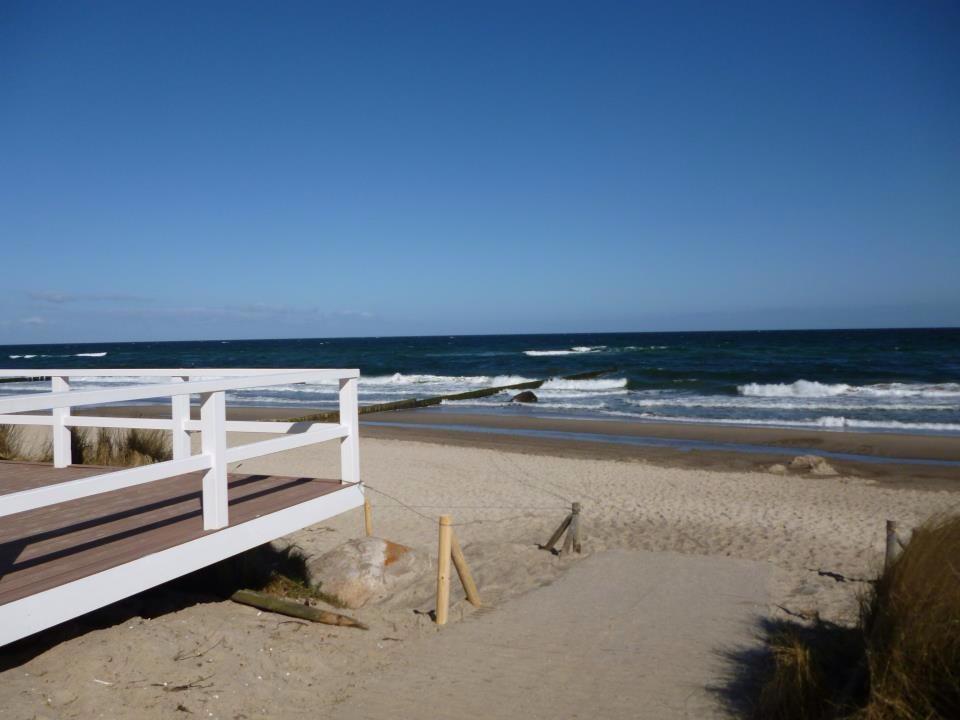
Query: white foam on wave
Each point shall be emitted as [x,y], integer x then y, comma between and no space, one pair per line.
[472,380]
[782,403]
[810,388]
[826,422]
[96,354]
[572,351]
[594,384]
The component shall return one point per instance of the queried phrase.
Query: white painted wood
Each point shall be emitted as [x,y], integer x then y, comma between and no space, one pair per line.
[349,444]
[331,375]
[26,616]
[287,442]
[46,401]
[23,500]
[245,426]
[119,422]
[180,414]
[213,443]
[62,453]
[213,426]
[26,419]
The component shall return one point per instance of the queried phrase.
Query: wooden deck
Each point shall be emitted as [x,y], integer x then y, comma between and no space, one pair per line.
[58,544]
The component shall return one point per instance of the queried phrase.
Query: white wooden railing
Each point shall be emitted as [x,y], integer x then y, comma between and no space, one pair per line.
[213,426]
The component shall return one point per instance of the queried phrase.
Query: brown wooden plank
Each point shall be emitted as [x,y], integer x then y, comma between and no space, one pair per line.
[50,546]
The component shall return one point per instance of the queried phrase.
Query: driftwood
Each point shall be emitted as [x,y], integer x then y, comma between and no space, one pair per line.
[283,606]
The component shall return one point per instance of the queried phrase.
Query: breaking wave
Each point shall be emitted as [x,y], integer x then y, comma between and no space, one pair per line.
[812,389]
[599,384]
[572,351]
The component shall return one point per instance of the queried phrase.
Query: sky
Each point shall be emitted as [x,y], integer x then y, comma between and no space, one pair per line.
[181,170]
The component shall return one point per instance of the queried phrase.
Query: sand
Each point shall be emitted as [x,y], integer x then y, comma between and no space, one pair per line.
[168,654]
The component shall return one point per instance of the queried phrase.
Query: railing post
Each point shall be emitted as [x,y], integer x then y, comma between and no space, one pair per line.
[213,440]
[180,410]
[62,453]
[349,445]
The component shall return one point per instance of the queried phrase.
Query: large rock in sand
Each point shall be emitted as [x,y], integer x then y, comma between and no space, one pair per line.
[814,464]
[366,570]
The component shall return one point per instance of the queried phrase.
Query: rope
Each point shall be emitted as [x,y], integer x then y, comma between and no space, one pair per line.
[434,519]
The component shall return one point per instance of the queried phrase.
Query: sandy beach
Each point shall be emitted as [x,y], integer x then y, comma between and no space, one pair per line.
[171,651]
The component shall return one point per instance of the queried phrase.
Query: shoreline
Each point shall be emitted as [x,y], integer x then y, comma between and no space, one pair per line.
[888,458]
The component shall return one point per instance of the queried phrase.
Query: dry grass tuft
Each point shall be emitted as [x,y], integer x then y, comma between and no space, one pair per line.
[118,447]
[912,627]
[10,442]
[901,663]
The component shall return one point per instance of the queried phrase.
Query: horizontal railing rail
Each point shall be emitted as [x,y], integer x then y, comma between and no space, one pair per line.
[214,455]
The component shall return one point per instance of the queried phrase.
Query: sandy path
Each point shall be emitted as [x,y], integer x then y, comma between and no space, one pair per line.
[623,634]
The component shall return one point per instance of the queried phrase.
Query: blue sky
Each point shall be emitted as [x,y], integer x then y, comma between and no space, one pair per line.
[174,170]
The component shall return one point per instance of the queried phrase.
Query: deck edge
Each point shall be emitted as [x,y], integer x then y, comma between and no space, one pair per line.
[26,616]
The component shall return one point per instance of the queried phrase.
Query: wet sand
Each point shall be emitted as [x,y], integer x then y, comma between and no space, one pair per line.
[882,458]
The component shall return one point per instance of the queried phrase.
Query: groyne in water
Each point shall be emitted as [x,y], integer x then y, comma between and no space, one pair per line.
[410,403]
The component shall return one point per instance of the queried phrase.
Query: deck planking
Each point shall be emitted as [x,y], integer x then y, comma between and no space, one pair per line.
[50,546]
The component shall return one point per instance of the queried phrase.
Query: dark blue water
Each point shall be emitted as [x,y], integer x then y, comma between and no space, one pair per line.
[873,379]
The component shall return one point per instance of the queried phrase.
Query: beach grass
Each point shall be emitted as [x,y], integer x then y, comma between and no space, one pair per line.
[10,442]
[903,660]
[120,448]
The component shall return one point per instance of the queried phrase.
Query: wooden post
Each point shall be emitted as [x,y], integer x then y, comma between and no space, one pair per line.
[466,579]
[349,445]
[572,541]
[62,452]
[367,517]
[893,543]
[443,570]
[570,526]
[558,533]
[180,413]
[213,440]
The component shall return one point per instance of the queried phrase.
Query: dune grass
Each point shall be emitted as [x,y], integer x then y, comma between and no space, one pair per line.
[118,447]
[911,622]
[104,446]
[10,442]
[903,660]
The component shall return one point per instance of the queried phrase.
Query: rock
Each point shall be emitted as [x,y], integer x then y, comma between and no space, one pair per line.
[366,570]
[814,464]
[527,396]
[778,469]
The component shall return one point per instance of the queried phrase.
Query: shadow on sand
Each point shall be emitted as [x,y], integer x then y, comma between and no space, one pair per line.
[252,569]
[799,670]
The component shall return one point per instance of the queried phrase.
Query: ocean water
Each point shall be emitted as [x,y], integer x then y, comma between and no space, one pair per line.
[894,380]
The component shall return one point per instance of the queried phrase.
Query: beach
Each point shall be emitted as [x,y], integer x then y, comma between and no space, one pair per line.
[171,651]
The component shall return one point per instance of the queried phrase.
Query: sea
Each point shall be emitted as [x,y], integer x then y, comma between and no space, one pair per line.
[905,380]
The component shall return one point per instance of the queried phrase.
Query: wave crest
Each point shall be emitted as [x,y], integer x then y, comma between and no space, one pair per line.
[810,388]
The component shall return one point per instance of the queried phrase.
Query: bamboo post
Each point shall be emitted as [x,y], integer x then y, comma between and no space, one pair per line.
[367,517]
[893,543]
[466,579]
[443,570]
